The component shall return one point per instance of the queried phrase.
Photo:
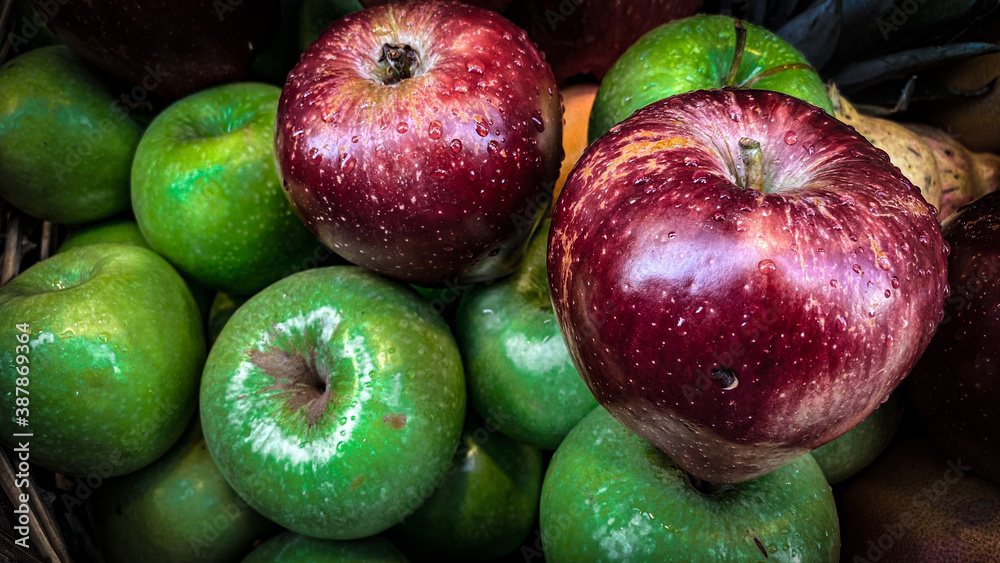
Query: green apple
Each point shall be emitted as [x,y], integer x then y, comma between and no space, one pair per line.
[206,195]
[609,495]
[330,398]
[485,506]
[315,15]
[126,231]
[66,144]
[290,547]
[180,508]
[106,343]
[697,53]
[520,375]
[861,445]
[120,231]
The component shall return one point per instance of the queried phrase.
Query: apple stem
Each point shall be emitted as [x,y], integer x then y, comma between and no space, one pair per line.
[702,486]
[753,164]
[741,44]
[775,70]
[398,63]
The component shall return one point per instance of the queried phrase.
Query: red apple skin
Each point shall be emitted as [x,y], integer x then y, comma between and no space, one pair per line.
[439,178]
[955,387]
[170,49]
[588,36]
[495,5]
[663,269]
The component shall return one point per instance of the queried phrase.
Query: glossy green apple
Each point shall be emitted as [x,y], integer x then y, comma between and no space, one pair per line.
[485,506]
[609,495]
[697,53]
[180,508]
[520,375]
[861,445]
[126,231]
[290,547]
[206,195]
[113,345]
[331,397]
[66,144]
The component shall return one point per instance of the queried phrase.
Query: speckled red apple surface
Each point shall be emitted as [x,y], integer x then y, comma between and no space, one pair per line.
[736,305]
[421,141]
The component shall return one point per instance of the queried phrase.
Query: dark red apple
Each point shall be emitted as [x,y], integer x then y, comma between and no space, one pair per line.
[955,387]
[588,36]
[421,140]
[742,278]
[170,49]
[495,5]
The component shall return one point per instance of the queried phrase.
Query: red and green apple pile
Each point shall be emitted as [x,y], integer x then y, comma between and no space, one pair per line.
[700,356]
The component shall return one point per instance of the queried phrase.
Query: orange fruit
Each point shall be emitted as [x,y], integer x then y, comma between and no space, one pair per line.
[577,101]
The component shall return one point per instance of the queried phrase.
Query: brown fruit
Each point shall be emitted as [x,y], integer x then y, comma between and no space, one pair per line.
[964,175]
[913,505]
[975,122]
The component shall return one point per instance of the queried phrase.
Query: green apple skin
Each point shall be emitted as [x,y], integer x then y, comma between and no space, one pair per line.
[205,190]
[289,547]
[695,54]
[520,375]
[486,505]
[179,508]
[861,445]
[66,144]
[334,383]
[315,15]
[116,346]
[609,496]
[126,231]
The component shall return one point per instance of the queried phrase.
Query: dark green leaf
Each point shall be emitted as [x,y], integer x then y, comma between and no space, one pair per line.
[815,31]
[865,73]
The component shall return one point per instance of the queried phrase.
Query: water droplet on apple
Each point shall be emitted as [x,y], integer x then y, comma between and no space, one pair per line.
[888,342]
[439,174]
[857,269]
[888,294]
[493,148]
[494,252]
[946,248]
[883,262]
[719,216]
[435,130]
[834,283]
[923,240]
[536,118]
[456,145]
[791,138]
[341,446]
[460,86]
[895,282]
[482,128]
[671,234]
[349,165]
[680,329]
[699,177]
[448,248]
[471,175]
[650,190]
[402,127]
[841,322]
[354,139]
[474,66]
[870,284]
[766,266]
[690,161]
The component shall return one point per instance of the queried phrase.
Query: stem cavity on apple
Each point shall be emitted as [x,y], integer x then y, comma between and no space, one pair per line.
[734,67]
[398,62]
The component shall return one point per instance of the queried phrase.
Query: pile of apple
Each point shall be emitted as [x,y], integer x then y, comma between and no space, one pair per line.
[702,326]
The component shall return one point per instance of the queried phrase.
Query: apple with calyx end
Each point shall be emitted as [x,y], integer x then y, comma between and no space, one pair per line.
[169,49]
[700,53]
[414,138]
[206,195]
[956,386]
[741,278]
[333,383]
[289,547]
[172,511]
[521,378]
[609,495]
[109,345]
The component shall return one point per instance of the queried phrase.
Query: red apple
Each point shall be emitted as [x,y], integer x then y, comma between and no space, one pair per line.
[170,49]
[956,386]
[742,278]
[421,140]
[588,36]
[495,5]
